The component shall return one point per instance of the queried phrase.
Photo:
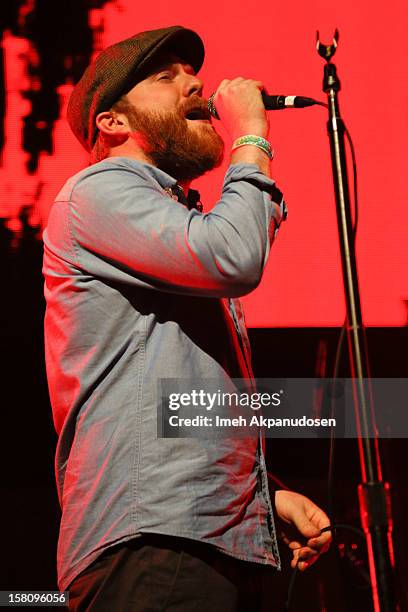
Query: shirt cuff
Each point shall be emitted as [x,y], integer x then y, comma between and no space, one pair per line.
[251,174]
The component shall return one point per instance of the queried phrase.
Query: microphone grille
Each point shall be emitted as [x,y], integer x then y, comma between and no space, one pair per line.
[211,107]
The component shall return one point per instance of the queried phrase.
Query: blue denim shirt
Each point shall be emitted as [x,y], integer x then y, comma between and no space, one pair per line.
[140,288]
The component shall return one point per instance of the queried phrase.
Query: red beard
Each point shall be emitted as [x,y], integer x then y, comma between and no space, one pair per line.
[174,145]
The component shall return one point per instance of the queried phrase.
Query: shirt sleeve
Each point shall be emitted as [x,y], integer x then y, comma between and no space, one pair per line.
[124,228]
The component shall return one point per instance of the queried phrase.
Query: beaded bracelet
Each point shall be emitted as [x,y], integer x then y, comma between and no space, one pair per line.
[256,141]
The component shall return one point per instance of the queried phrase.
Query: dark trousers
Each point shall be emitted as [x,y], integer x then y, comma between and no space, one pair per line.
[157,573]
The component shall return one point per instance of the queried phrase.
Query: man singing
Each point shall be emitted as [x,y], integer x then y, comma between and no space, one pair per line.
[141,286]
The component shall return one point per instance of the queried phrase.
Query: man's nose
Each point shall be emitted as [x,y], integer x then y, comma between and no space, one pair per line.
[193,85]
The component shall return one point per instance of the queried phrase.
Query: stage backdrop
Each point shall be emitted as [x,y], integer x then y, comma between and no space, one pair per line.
[274,42]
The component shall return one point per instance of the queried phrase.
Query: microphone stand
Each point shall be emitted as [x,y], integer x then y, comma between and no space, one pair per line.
[373,493]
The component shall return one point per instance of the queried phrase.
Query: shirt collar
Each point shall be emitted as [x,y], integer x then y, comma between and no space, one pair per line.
[169,184]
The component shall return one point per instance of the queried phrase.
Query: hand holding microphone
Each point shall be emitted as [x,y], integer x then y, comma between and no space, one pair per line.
[240,106]
[273,103]
[238,102]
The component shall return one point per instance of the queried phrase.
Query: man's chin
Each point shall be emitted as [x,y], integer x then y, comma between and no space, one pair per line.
[205,131]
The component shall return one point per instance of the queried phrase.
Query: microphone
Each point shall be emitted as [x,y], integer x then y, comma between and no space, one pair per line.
[272,103]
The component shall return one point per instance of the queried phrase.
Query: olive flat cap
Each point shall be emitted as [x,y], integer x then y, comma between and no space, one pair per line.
[118,68]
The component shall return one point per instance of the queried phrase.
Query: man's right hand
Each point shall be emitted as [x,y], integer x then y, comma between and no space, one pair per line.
[240,107]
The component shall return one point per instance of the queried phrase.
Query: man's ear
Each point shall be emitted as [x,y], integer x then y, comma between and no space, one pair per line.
[114,125]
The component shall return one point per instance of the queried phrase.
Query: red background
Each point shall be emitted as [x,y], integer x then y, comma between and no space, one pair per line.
[302,285]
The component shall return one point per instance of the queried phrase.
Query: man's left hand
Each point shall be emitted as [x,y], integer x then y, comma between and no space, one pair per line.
[308,519]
